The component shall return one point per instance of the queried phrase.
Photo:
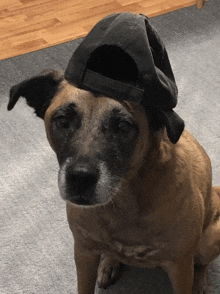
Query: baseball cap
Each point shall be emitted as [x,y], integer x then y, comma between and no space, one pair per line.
[124,58]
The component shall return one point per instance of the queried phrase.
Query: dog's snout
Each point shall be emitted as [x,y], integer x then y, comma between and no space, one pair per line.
[81,181]
[86,181]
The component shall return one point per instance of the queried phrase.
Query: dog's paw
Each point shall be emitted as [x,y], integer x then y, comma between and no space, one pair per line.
[108,272]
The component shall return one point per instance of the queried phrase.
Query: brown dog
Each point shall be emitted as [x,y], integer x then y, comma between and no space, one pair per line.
[132,196]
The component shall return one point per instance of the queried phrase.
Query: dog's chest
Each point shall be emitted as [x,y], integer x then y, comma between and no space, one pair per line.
[131,245]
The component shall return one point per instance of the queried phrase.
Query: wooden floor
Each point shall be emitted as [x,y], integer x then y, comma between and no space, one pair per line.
[29,25]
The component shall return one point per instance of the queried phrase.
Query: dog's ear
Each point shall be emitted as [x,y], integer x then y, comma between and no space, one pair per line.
[173,123]
[38,91]
[158,119]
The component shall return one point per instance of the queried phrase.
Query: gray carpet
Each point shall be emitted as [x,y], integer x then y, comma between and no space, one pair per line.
[36,243]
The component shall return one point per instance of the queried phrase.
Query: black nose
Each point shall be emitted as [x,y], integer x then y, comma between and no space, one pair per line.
[81,180]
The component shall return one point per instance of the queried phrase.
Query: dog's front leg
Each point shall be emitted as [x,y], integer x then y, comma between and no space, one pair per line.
[181,274]
[86,267]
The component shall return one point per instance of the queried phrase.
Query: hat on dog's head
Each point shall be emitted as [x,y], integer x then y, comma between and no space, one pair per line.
[124,58]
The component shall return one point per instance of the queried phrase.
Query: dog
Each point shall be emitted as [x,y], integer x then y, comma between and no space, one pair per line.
[132,196]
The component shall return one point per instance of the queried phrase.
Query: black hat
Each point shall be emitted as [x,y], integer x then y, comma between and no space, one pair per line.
[124,58]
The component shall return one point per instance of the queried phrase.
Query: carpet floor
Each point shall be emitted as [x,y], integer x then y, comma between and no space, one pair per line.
[36,244]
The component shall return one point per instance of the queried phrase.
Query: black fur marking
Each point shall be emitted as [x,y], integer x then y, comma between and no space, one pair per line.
[38,91]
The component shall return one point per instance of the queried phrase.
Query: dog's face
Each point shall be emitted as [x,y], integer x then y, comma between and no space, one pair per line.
[94,139]
[97,140]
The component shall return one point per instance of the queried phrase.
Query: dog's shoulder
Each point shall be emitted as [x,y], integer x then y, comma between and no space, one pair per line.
[192,153]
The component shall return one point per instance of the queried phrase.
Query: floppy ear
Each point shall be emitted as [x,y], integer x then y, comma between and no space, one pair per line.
[173,123]
[38,91]
[158,119]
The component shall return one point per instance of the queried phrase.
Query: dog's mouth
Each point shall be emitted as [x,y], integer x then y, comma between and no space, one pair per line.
[86,199]
[79,200]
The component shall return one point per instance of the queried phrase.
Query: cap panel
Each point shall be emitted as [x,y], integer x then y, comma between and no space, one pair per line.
[167,91]
[77,65]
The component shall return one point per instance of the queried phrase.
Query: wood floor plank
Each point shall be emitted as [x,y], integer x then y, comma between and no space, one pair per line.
[29,25]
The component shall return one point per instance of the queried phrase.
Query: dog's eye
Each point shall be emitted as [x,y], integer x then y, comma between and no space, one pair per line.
[63,122]
[121,127]
[125,127]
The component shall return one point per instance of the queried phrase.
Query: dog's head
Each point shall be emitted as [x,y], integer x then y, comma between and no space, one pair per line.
[97,140]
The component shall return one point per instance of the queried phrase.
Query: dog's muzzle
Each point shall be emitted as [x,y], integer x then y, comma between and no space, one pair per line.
[84,182]
[78,181]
